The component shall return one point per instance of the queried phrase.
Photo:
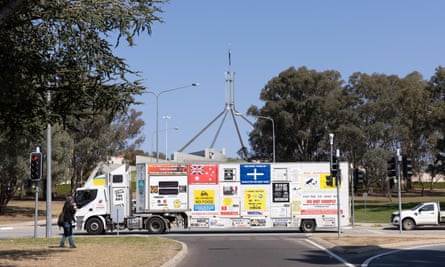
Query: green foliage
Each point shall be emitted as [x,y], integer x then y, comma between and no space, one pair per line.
[379,210]
[371,117]
[62,190]
[57,67]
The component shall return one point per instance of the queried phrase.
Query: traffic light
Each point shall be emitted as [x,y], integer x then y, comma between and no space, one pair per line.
[407,167]
[392,167]
[329,181]
[335,170]
[36,166]
[334,166]
[359,177]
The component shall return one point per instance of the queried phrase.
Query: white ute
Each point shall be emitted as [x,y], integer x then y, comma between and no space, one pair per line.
[423,214]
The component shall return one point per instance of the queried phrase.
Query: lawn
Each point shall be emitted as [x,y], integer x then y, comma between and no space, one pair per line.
[108,251]
[378,208]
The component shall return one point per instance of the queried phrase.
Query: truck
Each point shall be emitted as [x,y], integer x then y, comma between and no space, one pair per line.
[210,196]
[423,214]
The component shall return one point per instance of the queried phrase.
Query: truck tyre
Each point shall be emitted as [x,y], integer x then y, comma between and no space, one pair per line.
[408,224]
[156,225]
[94,226]
[307,226]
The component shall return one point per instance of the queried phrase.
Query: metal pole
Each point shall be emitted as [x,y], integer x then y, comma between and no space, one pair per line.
[157,128]
[399,189]
[48,178]
[352,175]
[273,139]
[337,184]
[36,203]
[273,133]
[166,118]
[157,112]
[36,213]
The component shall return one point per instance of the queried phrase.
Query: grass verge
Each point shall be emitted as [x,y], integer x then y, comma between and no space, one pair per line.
[90,251]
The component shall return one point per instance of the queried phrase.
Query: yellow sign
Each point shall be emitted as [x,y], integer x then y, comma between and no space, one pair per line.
[228,201]
[327,182]
[204,200]
[99,180]
[255,199]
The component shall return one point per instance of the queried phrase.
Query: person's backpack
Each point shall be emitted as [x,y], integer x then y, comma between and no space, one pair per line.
[60,219]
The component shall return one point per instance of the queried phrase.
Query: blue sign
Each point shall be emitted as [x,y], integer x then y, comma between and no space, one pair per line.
[255,173]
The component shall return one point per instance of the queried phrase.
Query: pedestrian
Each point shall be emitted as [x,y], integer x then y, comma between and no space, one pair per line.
[68,218]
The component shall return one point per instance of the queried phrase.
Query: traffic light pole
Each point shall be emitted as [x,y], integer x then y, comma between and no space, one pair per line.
[399,189]
[337,184]
[48,178]
[337,177]
[36,209]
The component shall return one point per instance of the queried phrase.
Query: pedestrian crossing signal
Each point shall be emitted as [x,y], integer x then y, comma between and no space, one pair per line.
[36,166]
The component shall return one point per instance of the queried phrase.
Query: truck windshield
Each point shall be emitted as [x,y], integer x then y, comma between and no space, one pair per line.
[84,197]
[417,206]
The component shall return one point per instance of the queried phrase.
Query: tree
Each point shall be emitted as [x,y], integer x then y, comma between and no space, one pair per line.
[62,49]
[436,90]
[58,47]
[96,140]
[304,104]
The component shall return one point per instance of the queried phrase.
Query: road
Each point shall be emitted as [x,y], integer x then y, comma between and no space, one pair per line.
[282,248]
[252,249]
[425,256]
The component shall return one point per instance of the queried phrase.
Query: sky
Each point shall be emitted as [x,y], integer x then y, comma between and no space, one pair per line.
[265,38]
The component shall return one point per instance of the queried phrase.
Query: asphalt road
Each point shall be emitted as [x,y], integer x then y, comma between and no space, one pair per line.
[425,256]
[246,249]
[279,248]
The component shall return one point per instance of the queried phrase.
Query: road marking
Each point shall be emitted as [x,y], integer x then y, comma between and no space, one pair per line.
[340,259]
[6,228]
[367,261]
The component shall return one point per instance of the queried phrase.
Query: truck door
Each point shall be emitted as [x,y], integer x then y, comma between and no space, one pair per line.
[427,214]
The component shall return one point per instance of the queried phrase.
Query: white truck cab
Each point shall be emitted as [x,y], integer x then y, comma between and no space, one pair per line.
[104,201]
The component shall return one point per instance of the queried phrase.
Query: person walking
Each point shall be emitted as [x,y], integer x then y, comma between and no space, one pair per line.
[68,218]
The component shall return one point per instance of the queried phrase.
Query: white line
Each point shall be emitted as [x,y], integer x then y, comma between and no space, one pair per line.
[367,261]
[340,259]
[6,228]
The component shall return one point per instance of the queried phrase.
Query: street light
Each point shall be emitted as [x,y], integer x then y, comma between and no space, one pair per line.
[153,134]
[166,118]
[157,111]
[273,133]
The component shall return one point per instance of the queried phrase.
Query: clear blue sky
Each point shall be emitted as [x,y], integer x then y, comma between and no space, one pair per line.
[267,37]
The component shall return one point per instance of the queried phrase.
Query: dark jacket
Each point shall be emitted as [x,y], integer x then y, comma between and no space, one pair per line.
[68,212]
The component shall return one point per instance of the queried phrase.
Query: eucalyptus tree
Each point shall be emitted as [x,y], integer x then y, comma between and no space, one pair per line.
[304,105]
[393,114]
[436,90]
[97,140]
[64,49]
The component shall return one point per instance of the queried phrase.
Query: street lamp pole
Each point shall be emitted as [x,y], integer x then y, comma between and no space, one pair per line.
[157,111]
[273,133]
[166,118]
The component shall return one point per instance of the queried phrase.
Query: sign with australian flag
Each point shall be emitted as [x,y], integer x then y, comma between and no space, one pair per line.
[255,173]
[203,173]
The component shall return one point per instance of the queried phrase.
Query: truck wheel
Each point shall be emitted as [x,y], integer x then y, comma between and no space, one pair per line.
[156,225]
[408,224]
[307,226]
[94,226]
